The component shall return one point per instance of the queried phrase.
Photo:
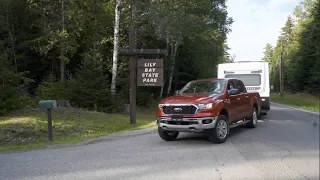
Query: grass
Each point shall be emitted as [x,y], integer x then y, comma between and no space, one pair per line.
[299,100]
[26,129]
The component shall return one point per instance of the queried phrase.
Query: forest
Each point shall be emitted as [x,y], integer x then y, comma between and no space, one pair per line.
[299,47]
[64,49]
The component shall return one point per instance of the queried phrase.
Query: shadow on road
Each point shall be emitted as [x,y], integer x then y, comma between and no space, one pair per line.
[202,137]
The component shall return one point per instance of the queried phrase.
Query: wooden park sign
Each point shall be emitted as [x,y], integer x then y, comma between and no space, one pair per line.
[150,72]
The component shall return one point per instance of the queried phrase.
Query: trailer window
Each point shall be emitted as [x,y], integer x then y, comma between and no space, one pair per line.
[247,79]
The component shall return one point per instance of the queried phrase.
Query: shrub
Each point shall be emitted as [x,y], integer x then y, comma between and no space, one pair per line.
[50,88]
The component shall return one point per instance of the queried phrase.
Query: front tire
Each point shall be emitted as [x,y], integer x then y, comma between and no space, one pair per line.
[220,133]
[167,135]
[254,119]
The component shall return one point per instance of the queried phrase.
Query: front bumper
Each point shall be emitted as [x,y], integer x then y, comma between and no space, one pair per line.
[187,124]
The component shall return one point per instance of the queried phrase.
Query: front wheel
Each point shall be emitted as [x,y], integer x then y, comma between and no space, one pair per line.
[167,135]
[253,120]
[220,133]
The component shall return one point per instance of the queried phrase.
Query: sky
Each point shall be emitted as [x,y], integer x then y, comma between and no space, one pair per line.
[256,23]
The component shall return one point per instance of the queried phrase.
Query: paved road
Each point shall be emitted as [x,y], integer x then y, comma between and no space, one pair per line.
[284,146]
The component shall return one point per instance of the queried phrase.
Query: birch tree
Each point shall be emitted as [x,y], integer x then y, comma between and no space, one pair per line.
[115,46]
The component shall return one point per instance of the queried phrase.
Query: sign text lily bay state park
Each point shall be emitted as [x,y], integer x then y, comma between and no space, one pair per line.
[150,72]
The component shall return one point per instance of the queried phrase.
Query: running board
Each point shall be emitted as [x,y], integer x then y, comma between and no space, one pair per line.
[239,123]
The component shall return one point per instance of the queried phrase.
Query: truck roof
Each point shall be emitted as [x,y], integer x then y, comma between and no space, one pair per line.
[211,79]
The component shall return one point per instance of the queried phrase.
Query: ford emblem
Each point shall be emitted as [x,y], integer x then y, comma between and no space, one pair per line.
[177,109]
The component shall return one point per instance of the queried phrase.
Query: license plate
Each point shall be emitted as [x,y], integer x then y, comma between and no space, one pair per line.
[176,118]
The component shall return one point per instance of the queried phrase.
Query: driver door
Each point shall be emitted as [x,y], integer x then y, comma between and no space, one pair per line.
[242,100]
[234,105]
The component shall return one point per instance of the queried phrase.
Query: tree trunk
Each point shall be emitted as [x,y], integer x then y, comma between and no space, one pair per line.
[115,46]
[171,59]
[12,45]
[52,66]
[176,82]
[62,64]
[95,28]
[96,13]
[172,67]
[161,91]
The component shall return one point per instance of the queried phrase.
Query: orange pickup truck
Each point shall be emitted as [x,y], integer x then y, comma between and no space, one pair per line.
[211,106]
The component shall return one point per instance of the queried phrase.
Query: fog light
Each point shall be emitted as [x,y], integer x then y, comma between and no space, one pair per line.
[206,121]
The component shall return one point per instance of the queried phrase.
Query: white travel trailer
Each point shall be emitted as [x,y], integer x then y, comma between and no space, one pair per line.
[255,76]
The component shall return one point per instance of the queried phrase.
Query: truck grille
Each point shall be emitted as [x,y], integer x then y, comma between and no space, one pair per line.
[189,109]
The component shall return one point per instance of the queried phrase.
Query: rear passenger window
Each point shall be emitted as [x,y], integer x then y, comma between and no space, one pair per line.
[240,86]
[243,87]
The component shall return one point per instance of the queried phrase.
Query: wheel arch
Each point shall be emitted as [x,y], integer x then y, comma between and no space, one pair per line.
[255,103]
[220,108]
[224,112]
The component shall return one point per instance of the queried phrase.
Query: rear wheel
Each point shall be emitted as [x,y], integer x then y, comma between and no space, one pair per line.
[220,133]
[167,135]
[253,120]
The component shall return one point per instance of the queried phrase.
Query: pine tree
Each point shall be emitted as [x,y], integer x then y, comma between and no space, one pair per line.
[90,86]
[11,84]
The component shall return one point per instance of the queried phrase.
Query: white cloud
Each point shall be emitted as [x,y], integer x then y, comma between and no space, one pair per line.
[256,23]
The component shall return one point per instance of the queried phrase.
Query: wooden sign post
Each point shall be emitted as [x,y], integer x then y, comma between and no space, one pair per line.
[132,52]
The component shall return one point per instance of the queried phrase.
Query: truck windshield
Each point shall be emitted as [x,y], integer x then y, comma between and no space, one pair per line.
[247,79]
[204,87]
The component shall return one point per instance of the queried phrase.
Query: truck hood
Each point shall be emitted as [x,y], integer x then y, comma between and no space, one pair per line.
[187,99]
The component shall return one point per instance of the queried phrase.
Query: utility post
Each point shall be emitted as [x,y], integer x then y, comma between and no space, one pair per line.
[281,77]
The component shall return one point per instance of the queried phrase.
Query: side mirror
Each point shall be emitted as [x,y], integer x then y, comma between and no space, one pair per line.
[234,91]
[177,92]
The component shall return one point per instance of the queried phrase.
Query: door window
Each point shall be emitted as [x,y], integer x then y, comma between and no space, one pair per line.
[240,86]
[230,85]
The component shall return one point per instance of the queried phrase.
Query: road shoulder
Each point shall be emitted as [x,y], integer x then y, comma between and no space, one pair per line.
[109,137]
[292,107]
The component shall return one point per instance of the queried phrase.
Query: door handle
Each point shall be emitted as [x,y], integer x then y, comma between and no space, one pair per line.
[238,98]
[247,96]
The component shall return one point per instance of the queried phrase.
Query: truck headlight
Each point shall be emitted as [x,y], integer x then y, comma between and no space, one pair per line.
[160,105]
[205,106]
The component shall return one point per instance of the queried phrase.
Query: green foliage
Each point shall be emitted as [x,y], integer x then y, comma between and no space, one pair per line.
[50,88]
[33,40]
[27,128]
[11,84]
[90,87]
[300,100]
[299,46]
